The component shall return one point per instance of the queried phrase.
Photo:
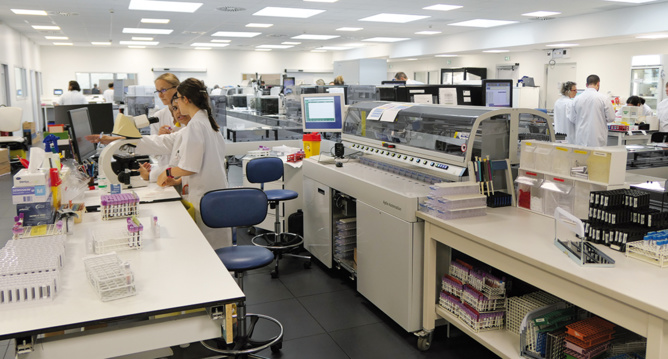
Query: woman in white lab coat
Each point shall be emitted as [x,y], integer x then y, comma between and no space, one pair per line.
[198,155]
[563,108]
[165,87]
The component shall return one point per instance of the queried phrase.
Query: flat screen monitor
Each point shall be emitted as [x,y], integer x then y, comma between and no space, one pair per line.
[322,112]
[57,92]
[288,81]
[497,93]
[269,105]
[394,82]
[80,127]
[101,116]
[239,101]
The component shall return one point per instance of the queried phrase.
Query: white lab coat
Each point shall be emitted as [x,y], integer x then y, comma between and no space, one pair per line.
[647,111]
[217,92]
[108,95]
[662,114]
[563,117]
[166,119]
[591,113]
[72,98]
[200,149]
[413,82]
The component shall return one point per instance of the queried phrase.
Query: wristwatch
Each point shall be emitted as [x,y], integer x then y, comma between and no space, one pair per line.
[168,172]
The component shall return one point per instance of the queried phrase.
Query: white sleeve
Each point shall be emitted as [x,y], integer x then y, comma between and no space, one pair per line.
[609,112]
[156,145]
[192,148]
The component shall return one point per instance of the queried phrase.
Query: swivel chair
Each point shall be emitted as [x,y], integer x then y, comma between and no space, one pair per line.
[10,121]
[234,207]
[268,169]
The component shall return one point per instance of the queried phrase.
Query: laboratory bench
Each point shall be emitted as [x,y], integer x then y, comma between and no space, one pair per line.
[178,271]
[521,243]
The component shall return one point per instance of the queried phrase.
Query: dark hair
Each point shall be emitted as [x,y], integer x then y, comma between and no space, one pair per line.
[566,87]
[593,80]
[195,91]
[634,101]
[111,85]
[74,86]
[400,75]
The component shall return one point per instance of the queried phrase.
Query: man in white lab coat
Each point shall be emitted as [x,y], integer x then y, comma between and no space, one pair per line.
[591,112]
[662,113]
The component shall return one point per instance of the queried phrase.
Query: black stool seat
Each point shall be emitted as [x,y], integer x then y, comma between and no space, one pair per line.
[274,195]
[244,258]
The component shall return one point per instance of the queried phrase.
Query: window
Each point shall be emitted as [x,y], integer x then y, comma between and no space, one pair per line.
[87,79]
[20,82]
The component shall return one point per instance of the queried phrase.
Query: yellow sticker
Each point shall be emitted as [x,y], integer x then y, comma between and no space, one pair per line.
[528,143]
[581,152]
[38,230]
[562,149]
[363,124]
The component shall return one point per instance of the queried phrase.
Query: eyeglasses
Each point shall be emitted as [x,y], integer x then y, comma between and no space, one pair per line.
[164,90]
[574,90]
[176,97]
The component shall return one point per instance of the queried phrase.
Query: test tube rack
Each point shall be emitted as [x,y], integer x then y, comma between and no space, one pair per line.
[581,252]
[120,205]
[118,238]
[454,200]
[30,269]
[110,277]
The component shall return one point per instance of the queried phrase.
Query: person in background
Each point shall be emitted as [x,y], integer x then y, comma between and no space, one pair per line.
[73,95]
[401,76]
[591,113]
[662,113]
[338,80]
[631,101]
[197,154]
[563,111]
[165,86]
[109,93]
[320,82]
[217,91]
[95,90]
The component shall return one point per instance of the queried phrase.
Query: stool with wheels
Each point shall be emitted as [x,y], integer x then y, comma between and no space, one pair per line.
[268,169]
[236,207]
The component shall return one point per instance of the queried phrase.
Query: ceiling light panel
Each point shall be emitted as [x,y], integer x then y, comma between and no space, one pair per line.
[652,36]
[291,43]
[141,43]
[101,43]
[386,39]
[266,50]
[56,37]
[496,51]
[315,37]
[318,50]
[209,44]
[632,1]
[29,12]
[136,47]
[255,24]
[541,13]
[446,55]
[350,29]
[155,21]
[334,48]
[171,6]
[274,46]
[45,27]
[394,18]
[236,34]
[202,48]
[427,32]
[141,38]
[130,30]
[214,40]
[482,23]
[562,45]
[442,7]
[288,12]
[63,43]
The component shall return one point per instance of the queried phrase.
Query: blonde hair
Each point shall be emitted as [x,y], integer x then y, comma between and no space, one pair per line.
[170,78]
[338,80]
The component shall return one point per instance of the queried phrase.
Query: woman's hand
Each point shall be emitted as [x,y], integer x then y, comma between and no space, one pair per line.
[145,170]
[164,181]
[165,130]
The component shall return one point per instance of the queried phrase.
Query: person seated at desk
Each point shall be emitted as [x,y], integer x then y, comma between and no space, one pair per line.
[197,154]
[631,101]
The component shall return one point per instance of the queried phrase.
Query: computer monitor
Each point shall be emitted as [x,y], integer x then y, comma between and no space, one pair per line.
[101,116]
[393,82]
[80,128]
[239,101]
[497,93]
[57,92]
[322,112]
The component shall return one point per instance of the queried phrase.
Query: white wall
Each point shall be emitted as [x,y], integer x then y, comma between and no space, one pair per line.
[224,67]
[17,50]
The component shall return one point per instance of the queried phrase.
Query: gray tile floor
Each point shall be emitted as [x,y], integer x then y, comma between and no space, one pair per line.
[323,315]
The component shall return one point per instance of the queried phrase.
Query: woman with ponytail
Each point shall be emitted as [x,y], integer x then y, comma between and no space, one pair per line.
[198,155]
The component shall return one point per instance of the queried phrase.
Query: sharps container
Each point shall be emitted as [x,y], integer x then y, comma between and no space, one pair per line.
[311,144]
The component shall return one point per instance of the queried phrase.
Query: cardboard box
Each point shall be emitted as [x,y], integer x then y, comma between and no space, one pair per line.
[5,169]
[20,153]
[36,213]
[4,155]
[30,194]
[29,126]
[25,179]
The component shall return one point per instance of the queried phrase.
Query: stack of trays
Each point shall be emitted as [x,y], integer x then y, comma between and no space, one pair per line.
[588,338]
[345,238]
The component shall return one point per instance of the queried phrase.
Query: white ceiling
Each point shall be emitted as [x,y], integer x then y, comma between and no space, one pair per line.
[85,21]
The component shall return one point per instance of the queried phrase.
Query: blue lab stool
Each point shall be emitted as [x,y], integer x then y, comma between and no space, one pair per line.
[268,169]
[237,207]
